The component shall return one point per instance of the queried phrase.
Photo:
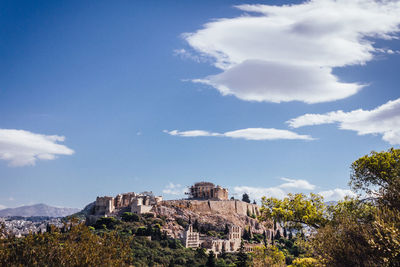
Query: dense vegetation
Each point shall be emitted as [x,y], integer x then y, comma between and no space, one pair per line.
[362,231]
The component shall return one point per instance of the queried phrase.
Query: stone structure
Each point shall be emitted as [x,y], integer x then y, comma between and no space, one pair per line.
[215,206]
[190,238]
[206,190]
[136,203]
[232,244]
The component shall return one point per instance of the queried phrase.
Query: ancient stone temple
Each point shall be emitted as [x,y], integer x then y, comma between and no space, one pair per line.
[207,190]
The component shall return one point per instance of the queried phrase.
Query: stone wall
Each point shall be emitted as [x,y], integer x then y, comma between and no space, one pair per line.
[215,206]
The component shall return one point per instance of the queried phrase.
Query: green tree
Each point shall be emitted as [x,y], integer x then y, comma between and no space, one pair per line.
[295,210]
[246,198]
[242,257]
[130,217]
[211,259]
[378,174]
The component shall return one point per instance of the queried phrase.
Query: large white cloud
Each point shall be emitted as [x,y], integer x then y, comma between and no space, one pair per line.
[247,134]
[20,147]
[287,53]
[384,120]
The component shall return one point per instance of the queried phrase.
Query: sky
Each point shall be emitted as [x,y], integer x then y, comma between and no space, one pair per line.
[261,97]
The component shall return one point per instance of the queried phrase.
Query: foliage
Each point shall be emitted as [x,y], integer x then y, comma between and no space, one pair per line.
[130,217]
[295,210]
[211,259]
[305,262]
[268,256]
[78,247]
[106,223]
[243,259]
[246,198]
[378,174]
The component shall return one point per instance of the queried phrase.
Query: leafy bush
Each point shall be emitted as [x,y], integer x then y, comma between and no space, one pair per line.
[130,217]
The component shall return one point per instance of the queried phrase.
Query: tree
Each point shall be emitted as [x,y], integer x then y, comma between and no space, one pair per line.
[378,174]
[268,256]
[242,258]
[226,231]
[277,235]
[254,202]
[295,210]
[130,217]
[246,198]
[211,259]
[344,241]
[196,225]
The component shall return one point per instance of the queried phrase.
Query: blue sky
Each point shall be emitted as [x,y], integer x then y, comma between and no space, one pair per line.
[100,98]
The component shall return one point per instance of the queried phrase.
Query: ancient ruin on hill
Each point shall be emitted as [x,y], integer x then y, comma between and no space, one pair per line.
[133,202]
[207,190]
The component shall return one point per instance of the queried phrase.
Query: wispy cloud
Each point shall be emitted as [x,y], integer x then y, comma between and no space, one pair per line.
[2,207]
[247,134]
[174,189]
[336,194]
[255,50]
[291,186]
[21,148]
[384,120]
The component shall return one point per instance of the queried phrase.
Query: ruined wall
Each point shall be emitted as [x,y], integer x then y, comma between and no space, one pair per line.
[215,206]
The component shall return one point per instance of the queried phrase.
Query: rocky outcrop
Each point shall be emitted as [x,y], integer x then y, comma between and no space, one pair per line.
[211,215]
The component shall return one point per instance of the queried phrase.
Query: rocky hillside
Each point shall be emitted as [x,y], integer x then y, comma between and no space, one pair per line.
[38,210]
[209,215]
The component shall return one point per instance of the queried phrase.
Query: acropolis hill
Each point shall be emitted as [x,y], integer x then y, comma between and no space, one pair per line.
[207,204]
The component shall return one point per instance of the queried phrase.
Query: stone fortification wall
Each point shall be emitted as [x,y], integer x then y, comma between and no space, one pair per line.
[215,206]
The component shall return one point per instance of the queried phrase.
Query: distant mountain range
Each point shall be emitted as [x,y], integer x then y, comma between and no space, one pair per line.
[38,210]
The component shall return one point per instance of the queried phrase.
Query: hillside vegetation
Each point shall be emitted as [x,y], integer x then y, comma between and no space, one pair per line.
[362,231]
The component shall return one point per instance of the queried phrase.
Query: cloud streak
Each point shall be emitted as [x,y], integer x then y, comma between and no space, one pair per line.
[21,148]
[287,53]
[257,134]
[174,189]
[383,120]
[291,186]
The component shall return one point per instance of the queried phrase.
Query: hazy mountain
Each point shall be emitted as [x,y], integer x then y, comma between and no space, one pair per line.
[37,210]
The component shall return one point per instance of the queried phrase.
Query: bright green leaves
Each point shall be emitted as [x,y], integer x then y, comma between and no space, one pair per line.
[295,210]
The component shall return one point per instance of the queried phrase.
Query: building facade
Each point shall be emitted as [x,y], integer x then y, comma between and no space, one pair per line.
[190,238]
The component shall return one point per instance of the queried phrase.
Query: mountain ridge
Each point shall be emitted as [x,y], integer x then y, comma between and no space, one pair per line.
[39,209]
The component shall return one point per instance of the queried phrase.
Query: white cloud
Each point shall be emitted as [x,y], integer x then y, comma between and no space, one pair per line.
[292,186]
[336,194]
[384,120]
[259,192]
[247,134]
[2,207]
[256,80]
[287,53]
[298,184]
[21,148]
[280,191]
[174,189]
